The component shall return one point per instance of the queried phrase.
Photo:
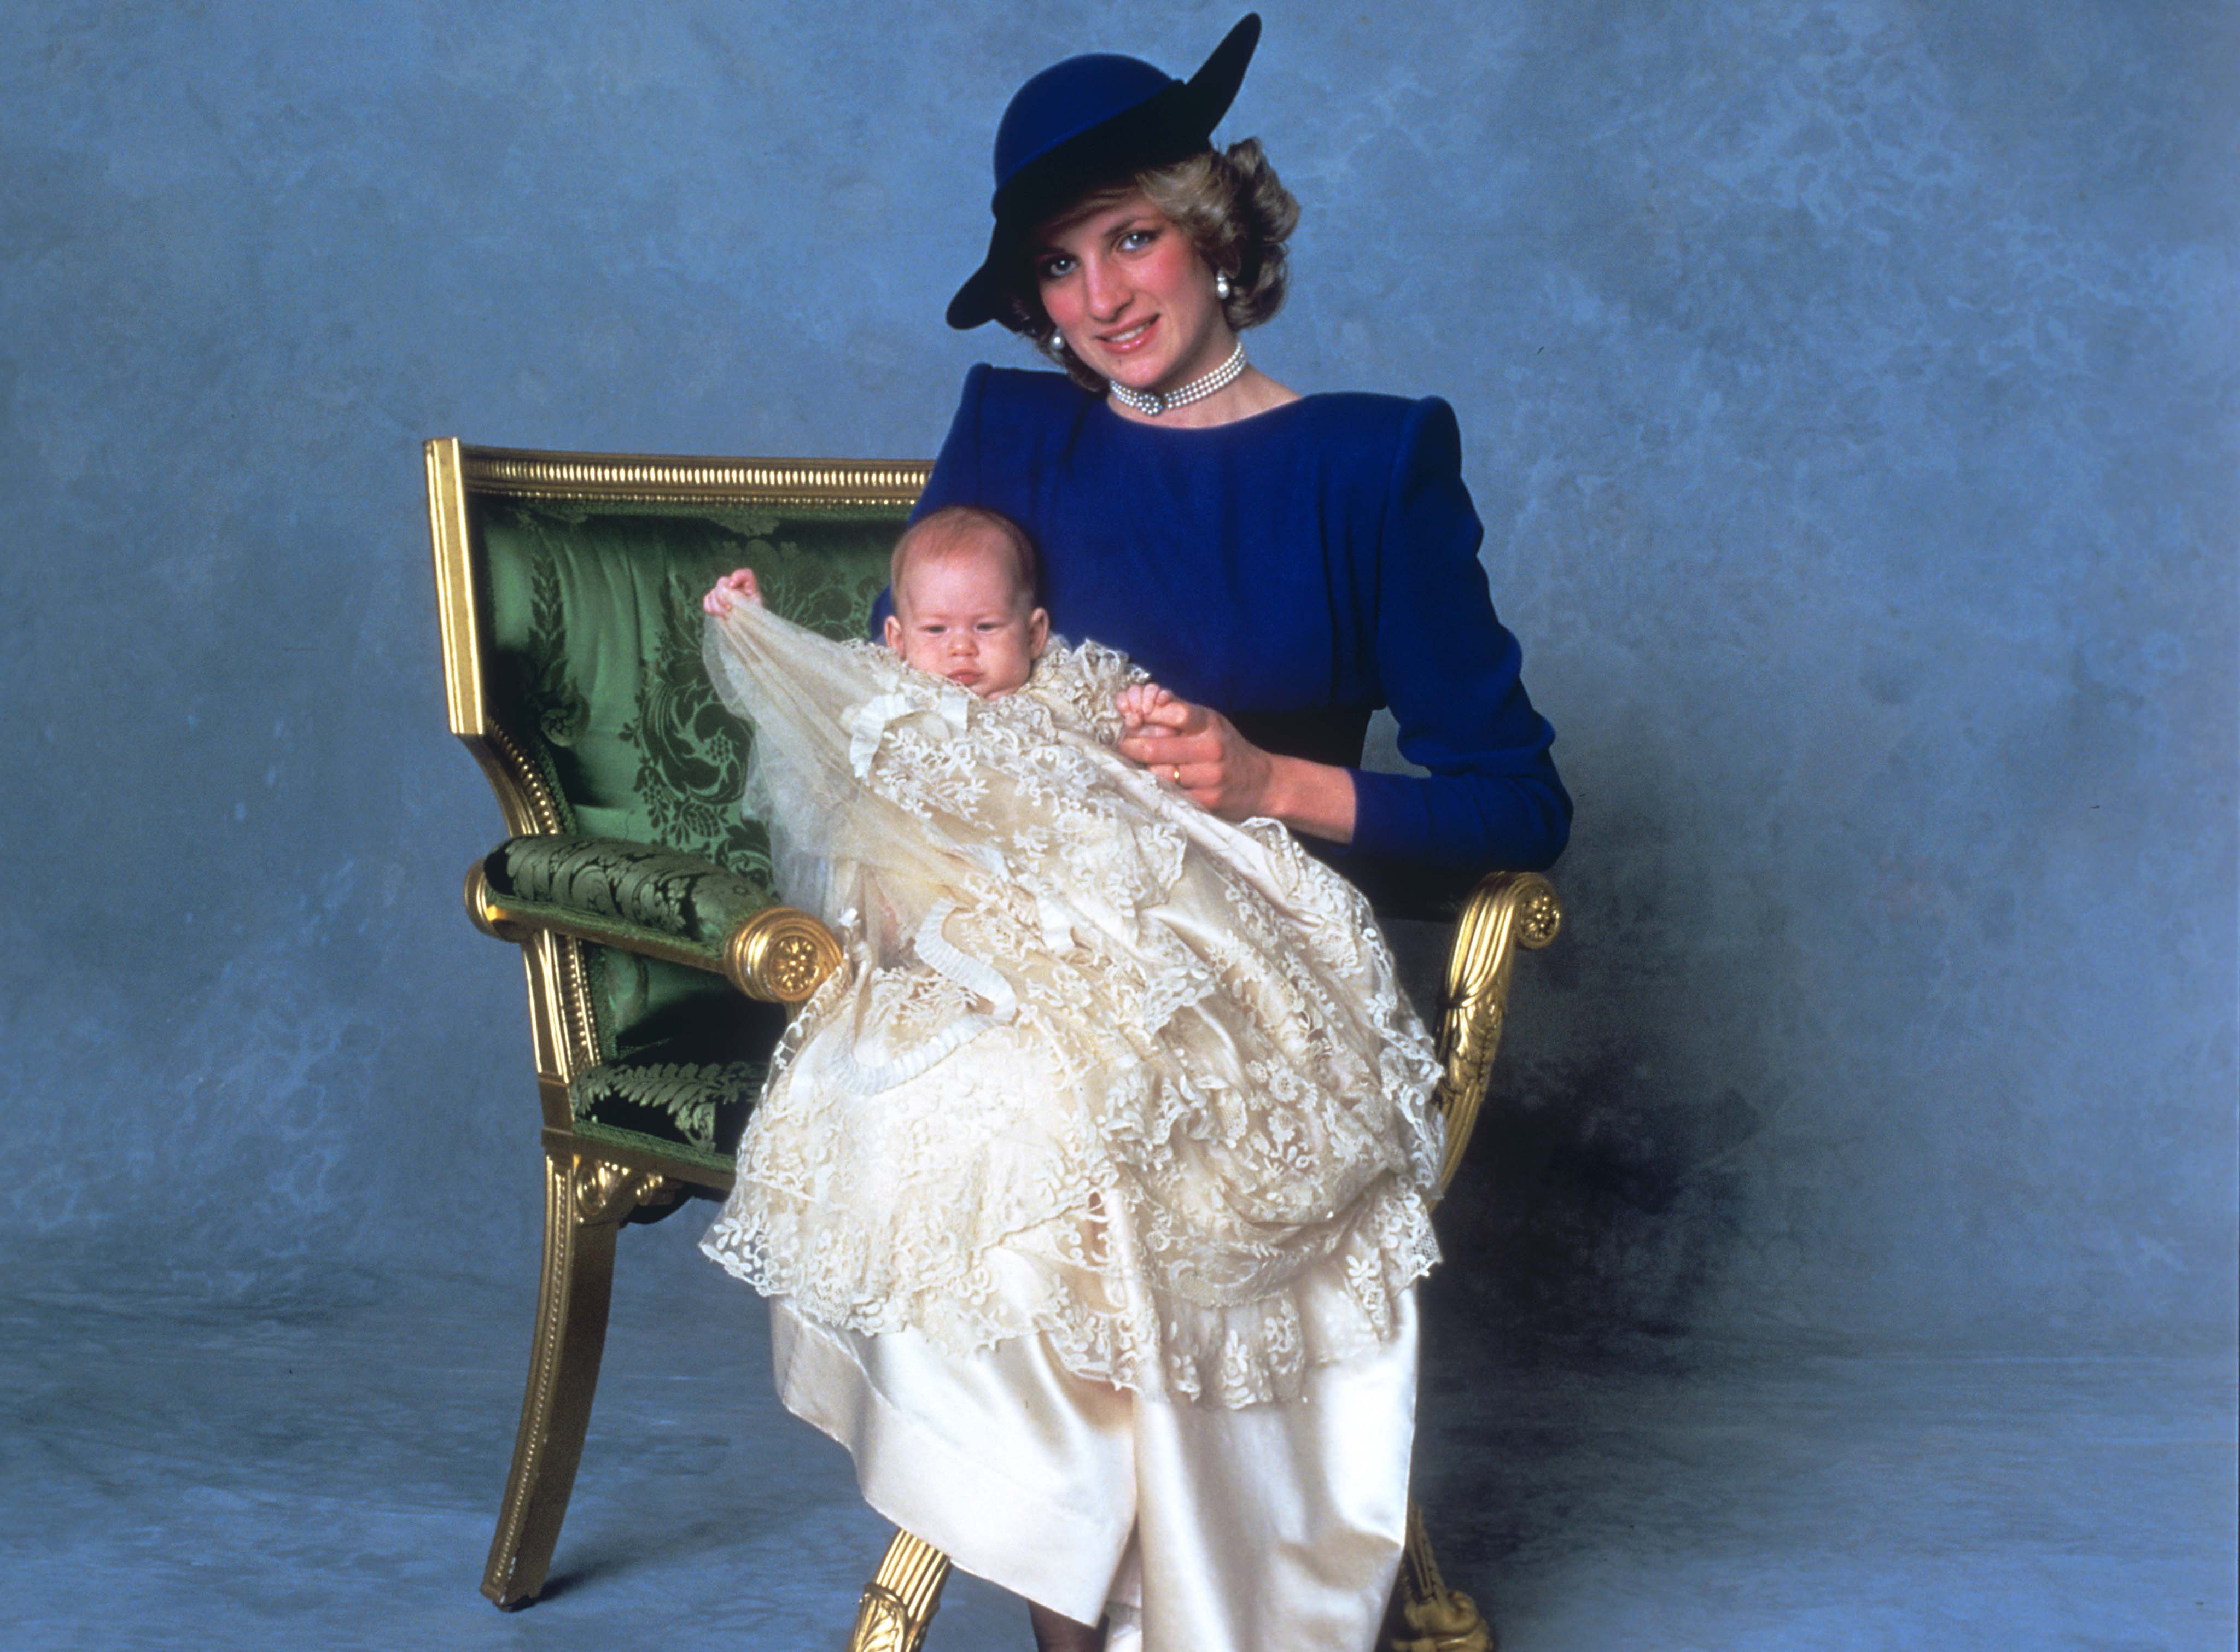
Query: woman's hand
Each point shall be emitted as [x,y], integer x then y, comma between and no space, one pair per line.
[738,586]
[1194,747]
[1198,750]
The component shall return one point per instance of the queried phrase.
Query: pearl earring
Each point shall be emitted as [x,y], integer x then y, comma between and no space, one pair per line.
[1221,287]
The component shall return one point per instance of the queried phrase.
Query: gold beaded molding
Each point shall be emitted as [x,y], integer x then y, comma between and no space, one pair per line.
[524,474]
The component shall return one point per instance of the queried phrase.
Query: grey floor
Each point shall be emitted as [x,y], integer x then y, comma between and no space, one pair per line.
[227,1463]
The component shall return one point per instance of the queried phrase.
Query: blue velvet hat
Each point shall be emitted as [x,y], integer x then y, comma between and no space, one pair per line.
[1087,122]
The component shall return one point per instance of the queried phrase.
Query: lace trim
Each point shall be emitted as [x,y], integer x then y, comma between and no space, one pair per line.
[1102,1068]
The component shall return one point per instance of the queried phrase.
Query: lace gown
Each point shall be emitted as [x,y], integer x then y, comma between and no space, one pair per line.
[1099,1067]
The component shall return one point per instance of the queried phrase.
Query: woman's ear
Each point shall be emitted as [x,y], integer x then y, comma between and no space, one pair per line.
[894,633]
[1037,632]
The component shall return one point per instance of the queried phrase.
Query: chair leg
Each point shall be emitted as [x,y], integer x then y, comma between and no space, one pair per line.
[1427,1615]
[901,1599]
[584,1200]
[899,1602]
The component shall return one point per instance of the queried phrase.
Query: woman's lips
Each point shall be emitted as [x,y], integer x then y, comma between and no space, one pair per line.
[1129,340]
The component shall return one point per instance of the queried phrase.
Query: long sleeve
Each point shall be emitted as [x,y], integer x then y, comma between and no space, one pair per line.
[1451,673]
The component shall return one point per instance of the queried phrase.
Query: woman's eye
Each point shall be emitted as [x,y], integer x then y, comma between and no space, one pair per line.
[1137,239]
[1055,269]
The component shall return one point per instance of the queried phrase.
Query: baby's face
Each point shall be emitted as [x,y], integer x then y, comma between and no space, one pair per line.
[960,614]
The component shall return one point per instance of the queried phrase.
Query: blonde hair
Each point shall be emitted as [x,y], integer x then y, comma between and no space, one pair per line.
[1235,212]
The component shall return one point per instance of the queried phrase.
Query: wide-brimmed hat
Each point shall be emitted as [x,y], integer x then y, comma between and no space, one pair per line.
[1086,121]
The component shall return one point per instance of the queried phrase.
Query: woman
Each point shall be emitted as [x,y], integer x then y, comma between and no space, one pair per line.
[1286,564]
[1289,563]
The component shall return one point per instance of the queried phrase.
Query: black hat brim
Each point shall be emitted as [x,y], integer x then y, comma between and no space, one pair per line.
[1168,126]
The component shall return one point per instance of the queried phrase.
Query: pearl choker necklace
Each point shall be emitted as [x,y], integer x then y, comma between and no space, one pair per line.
[1197,390]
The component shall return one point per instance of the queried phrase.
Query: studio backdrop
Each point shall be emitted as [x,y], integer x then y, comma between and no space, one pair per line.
[1847,392]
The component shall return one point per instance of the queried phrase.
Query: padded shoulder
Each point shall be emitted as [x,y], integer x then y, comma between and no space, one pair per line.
[1394,425]
[1369,409]
[1011,394]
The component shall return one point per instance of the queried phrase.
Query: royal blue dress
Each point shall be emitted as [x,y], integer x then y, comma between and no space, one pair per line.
[1293,570]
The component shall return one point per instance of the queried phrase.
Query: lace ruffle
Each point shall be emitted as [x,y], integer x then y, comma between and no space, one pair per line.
[1100,1066]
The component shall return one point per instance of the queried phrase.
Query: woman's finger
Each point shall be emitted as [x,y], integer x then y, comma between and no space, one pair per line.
[1170,713]
[1157,746]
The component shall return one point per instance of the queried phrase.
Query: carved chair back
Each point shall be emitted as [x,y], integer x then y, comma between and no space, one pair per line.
[570,585]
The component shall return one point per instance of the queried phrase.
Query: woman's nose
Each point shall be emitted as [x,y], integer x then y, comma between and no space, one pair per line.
[1104,289]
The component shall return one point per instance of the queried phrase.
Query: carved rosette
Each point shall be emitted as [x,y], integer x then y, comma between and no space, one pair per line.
[1538,916]
[780,955]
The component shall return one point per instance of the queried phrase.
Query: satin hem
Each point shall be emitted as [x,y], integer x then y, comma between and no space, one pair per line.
[989,1523]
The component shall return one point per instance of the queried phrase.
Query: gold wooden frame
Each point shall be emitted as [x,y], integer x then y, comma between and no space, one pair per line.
[591,1188]
[780,955]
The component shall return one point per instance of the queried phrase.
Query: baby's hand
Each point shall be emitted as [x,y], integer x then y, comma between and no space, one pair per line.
[1150,712]
[738,585]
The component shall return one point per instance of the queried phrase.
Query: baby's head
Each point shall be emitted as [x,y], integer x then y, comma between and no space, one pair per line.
[964,583]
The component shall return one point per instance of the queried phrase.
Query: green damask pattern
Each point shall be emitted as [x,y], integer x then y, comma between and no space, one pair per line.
[594,631]
[692,754]
[819,591]
[640,884]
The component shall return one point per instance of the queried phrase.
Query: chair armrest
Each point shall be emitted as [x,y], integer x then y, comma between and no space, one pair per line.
[655,901]
[1505,911]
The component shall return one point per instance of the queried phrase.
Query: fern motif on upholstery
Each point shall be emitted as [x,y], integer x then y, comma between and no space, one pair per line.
[692,1095]
[563,713]
[595,617]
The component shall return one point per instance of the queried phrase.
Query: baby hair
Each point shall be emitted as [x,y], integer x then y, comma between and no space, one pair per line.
[939,531]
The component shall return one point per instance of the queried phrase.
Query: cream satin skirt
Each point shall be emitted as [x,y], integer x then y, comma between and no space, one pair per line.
[1274,1528]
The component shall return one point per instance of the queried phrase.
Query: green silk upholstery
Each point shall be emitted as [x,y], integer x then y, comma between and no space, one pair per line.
[593,625]
[594,613]
[637,891]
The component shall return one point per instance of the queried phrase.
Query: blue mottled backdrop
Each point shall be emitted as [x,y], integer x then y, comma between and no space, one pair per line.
[1849,390]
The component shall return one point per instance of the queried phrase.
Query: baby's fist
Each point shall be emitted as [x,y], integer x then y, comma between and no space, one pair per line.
[738,585]
[1141,704]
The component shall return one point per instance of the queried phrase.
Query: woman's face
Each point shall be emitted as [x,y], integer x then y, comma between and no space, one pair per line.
[1130,294]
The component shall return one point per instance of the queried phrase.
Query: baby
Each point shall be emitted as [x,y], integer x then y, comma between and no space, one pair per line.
[1109,1148]
[963,581]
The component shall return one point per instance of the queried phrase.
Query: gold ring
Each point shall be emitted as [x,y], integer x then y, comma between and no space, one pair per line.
[1179,774]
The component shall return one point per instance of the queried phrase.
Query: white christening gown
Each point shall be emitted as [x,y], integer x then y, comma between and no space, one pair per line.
[1105,1158]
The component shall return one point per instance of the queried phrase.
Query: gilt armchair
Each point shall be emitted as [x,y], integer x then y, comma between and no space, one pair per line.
[660,964]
